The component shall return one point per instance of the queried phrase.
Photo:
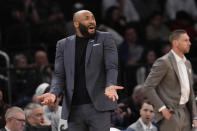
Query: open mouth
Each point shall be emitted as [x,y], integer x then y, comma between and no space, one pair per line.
[91,27]
[147,118]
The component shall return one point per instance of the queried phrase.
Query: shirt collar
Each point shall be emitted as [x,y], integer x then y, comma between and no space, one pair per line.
[178,58]
[144,125]
[7,129]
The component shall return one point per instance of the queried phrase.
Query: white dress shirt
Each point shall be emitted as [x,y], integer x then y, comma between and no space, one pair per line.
[145,127]
[184,80]
[7,129]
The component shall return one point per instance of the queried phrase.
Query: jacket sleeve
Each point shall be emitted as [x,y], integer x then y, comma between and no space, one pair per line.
[58,81]
[111,60]
[158,71]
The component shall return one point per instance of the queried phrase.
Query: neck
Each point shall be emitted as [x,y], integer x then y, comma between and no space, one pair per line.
[79,34]
[146,123]
[180,54]
[8,127]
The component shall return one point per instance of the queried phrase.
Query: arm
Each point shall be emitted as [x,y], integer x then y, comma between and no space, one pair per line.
[111,67]
[59,78]
[158,72]
[111,60]
[58,81]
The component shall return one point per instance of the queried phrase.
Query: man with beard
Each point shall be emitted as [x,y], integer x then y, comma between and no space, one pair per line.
[86,68]
[144,122]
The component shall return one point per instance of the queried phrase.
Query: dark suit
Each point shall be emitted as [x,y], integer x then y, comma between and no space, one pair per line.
[29,127]
[163,88]
[101,70]
[3,129]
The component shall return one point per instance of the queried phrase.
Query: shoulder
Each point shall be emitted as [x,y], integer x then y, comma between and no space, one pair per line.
[155,128]
[64,40]
[164,60]
[101,34]
[133,127]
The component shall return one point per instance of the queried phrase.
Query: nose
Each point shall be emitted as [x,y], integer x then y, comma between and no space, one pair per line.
[92,21]
[23,124]
[148,113]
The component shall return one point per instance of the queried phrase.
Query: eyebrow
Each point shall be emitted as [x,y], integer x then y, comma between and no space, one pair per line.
[148,110]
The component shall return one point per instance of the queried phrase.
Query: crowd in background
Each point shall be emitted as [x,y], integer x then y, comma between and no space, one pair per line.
[29,30]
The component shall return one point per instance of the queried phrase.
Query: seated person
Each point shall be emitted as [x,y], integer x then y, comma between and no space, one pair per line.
[35,118]
[3,108]
[52,112]
[15,119]
[144,122]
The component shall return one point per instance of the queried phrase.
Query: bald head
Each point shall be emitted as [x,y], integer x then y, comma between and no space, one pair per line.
[78,14]
[84,23]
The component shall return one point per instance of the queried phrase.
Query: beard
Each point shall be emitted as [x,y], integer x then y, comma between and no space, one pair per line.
[84,31]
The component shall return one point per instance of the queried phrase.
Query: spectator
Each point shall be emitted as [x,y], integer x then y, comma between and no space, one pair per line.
[147,59]
[120,116]
[173,6]
[184,21]
[116,36]
[156,29]
[53,113]
[20,61]
[31,13]
[165,48]
[130,50]
[15,119]
[41,89]
[35,118]
[23,81]
[126,7]
[115,20]
[146,116]
[42,63]
[146,7]
[128,109]
[3,109]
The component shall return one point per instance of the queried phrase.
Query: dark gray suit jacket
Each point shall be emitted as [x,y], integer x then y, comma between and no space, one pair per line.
[137,126]
[101,70]
[162,86]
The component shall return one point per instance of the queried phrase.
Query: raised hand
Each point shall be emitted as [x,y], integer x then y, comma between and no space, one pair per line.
[47,98]
[111,92]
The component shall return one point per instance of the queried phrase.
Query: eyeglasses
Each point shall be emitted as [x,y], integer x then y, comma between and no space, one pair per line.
[20,120]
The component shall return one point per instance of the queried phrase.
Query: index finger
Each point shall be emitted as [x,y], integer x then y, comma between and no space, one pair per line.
[119,87]
[40,97]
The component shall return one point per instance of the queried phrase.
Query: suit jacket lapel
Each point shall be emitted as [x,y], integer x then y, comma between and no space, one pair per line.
[139,125]
[174,64]
[71,57]
[89,49]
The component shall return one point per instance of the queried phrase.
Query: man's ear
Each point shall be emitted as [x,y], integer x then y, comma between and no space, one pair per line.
[9,119]
[174,43]
[76,24]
